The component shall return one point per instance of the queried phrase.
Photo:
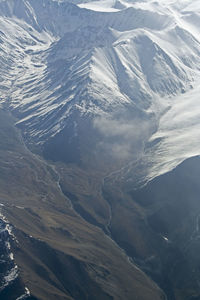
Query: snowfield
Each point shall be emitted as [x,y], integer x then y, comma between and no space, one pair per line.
[98,57]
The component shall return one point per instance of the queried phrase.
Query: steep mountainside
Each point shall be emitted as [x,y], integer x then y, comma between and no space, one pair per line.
[63,67]
[98,112]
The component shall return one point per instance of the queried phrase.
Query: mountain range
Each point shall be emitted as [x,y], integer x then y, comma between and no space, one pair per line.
[99,146]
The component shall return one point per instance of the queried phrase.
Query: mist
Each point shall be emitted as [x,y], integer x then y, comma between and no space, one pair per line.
[124,138]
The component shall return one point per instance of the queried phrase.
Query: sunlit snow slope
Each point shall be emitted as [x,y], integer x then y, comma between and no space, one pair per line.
[91,59]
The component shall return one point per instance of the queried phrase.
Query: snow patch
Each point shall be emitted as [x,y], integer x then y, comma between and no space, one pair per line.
[11,276]
[7,235]
[102,6]
[25,295]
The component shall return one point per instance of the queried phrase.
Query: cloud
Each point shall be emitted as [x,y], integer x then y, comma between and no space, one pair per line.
[122,136]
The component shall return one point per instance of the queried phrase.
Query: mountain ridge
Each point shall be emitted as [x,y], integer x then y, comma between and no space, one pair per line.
[105,108]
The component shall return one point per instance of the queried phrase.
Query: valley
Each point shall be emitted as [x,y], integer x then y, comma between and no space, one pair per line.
[99,150]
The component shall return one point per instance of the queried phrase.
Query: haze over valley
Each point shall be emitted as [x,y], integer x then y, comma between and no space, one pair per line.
[99,147]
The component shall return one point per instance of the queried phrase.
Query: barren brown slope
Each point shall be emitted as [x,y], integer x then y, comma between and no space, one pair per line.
[60,255]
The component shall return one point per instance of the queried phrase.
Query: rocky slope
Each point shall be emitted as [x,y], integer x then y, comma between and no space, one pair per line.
[99,105]
[63,68]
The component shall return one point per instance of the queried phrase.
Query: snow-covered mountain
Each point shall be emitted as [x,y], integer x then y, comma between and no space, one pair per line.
[106,94]
[94,59]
